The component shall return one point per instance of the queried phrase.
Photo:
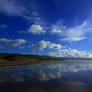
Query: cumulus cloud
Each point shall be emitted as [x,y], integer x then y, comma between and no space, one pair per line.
[7,43]
[74,53]
[47,44]
[71,53]
[55,46]
[55,31]
[54,54]
[41,45]
[36,29]
[75,33]
[89,55]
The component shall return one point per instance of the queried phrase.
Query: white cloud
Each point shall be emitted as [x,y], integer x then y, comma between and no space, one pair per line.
[47,44]
[74,53]
[71,53]
[75,33]
[36,29]
[73,39]
[12,7]
[41,45]
[55,31]
[20,8]
[54,54]
[89,55]
[55,46]
[11,43]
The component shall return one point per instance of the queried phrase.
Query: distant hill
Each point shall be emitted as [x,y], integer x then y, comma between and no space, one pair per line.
[10,57]
[18,60]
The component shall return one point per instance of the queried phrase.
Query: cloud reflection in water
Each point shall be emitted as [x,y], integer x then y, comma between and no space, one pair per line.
[53,77]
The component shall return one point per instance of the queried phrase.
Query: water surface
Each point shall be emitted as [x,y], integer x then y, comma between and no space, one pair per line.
[64,76]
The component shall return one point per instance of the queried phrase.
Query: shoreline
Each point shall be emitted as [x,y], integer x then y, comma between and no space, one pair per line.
[7,67]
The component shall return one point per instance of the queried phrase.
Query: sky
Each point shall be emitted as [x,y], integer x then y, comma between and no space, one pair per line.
[46,27]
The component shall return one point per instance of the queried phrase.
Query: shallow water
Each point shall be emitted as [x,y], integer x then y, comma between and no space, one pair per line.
[66,76]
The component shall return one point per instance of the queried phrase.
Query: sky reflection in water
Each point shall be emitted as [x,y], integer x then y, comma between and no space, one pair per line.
[72,76]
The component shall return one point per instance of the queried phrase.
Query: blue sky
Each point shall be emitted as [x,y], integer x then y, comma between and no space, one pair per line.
[47,27]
